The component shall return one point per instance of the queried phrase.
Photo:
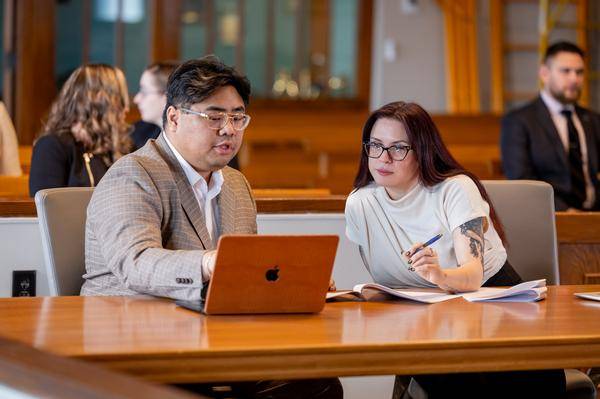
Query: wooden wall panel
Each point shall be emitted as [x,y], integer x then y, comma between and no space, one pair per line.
[497,54]
[579,263]
[365,39]
[34,72]
[462,72]
[578,247]
[165,29]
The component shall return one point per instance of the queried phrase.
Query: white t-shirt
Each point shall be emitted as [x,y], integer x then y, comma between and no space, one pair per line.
[385,228]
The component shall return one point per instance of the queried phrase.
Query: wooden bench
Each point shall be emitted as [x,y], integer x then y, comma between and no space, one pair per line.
[321,149]
[286,148]
[578,237]
[25,158]
[14,186]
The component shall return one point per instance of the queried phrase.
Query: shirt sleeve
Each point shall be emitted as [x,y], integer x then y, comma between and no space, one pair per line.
[352,217]
[463,202]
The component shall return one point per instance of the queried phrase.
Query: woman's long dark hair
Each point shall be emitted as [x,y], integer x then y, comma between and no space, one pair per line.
[435,163]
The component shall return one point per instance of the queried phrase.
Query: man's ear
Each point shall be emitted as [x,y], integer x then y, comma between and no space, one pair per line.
[172,118]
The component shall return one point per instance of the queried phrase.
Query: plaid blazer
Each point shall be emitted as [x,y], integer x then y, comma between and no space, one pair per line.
[146,234]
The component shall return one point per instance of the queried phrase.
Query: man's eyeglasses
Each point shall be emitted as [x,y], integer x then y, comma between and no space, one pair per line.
[218,120]
[397,152]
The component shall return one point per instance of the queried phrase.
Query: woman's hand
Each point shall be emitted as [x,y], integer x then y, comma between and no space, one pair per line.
[426,264]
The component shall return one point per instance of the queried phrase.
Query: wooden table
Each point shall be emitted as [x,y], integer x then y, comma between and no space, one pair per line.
[154,339]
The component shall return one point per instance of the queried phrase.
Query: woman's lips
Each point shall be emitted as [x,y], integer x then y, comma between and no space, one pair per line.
[384,172]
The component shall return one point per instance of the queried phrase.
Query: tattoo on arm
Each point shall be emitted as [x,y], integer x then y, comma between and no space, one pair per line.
[473,230]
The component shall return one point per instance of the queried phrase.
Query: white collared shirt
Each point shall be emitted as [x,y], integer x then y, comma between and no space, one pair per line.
[560,122]
[206,194]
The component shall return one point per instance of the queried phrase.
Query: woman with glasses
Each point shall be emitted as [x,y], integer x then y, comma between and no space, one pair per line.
[409,189]
[85,131]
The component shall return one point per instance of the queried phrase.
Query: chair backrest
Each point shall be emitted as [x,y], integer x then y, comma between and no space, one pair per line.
[62,215]
[526,209]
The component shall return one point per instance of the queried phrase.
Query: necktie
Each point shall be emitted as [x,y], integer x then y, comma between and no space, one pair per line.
[575,163]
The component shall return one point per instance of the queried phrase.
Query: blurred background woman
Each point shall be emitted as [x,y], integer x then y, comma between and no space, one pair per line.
[85,132]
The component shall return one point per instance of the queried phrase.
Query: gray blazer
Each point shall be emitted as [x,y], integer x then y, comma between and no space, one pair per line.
[146,234]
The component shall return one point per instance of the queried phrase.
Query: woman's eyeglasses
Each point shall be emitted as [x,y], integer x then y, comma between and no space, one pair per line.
[396,152]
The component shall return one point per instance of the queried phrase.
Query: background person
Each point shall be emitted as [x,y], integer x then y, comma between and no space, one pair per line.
[151,100]
[85,131]
[552,138]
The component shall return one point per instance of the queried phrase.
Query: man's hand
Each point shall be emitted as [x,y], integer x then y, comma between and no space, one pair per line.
[208,264]
[331,285]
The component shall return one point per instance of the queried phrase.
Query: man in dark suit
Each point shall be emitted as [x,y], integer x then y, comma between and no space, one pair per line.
[552,138]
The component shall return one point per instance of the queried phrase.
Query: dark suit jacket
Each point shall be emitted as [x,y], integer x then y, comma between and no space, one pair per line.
[532,149]
[57,161]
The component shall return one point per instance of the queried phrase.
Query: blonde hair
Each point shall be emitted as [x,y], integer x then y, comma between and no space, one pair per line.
[91,107]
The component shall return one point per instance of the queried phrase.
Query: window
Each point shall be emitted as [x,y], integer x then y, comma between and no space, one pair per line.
[114,32]
[289,49]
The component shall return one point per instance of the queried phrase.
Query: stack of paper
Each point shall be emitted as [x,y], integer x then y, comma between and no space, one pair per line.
[366,291]
[528,291]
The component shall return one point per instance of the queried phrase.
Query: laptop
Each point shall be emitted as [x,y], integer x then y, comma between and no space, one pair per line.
[257,274]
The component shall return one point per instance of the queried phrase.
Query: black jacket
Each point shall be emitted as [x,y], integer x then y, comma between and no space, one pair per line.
[532,149]
[58,161]
[142,132]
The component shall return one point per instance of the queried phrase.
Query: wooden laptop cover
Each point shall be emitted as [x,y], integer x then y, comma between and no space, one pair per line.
[271,274]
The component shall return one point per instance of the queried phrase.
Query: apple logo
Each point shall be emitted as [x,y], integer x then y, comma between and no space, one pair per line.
[272,274]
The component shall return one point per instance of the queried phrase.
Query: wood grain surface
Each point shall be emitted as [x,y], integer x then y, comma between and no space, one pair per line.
[154,339]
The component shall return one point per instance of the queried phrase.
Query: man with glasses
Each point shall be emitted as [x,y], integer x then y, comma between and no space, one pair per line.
[151,100]
[155,218]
